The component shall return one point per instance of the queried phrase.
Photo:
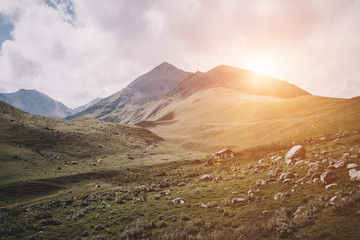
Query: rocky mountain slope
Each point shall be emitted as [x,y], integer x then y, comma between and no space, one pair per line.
[119,106]
[35,102]
[233,107]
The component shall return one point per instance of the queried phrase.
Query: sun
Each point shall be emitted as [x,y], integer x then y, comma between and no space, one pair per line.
[263,66]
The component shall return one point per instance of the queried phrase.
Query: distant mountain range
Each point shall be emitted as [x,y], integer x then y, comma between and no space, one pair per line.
[142,99]
[225,106]
[35,102]
[121,105]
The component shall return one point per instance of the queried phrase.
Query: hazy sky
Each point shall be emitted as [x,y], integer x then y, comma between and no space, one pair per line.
[77,50]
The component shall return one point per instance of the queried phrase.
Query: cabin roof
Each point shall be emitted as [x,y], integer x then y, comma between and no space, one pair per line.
[224,150]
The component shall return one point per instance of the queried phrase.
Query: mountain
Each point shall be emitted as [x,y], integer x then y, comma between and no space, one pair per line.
[119,106]
[35,102]
[239,108]
[239,81]
[87,105]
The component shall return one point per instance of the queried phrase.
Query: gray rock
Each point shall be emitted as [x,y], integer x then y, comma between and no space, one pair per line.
[287,175]
[328,177]
[206,177]
[178,201]
[296,153]
[354,175]
[330,185]
[251,195]
[352,165]
[278,195]
[314,168]
[260,182]
[238,200]
[217,179]
[339,164]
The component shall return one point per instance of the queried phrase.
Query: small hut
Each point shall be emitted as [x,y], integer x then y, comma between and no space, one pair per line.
[225,153]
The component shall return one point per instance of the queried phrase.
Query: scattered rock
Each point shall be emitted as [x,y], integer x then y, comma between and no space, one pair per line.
[161,224]
[98,228]
[97,186]
[84,234]
[260,182]
[352,165]
[339,164]
[206,177]
[330,185]
[178,201]
[278,195]
[313,168]
[238,200]
[354,175]
[328,177]
[300,163]
[333,198]
[73,162]
[217,179]
[99,160]
[315,175]
[296,153]
[287,175]
[251,195]
[203,205]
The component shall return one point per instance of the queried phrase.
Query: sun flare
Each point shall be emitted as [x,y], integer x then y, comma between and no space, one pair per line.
[263,66]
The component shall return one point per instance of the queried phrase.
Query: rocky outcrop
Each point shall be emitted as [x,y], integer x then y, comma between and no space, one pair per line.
[296,153]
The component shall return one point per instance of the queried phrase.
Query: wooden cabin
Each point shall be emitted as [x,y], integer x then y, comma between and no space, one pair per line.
[225,153]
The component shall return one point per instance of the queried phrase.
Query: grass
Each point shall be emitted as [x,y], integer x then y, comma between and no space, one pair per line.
[120,208]
[44,195]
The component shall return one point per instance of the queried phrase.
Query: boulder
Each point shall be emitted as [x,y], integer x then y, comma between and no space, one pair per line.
[354,175]
[328,177]
[352,165]
[260,182]
[238,200]
[296,153]
[278,195]
[178,201]
[206,177]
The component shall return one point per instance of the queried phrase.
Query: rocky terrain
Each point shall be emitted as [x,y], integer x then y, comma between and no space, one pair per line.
[303,190]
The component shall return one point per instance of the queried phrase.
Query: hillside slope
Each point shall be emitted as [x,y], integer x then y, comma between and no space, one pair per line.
[213,110]
[145,88]
[70,139]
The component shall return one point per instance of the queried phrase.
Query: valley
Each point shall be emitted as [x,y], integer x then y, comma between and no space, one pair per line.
[140,165]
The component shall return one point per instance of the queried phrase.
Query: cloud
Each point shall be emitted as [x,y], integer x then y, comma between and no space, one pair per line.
[76,51]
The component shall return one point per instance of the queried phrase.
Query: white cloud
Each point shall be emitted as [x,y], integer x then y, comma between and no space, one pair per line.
[100,46]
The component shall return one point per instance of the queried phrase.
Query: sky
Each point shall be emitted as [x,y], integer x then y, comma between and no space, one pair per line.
[75,51]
